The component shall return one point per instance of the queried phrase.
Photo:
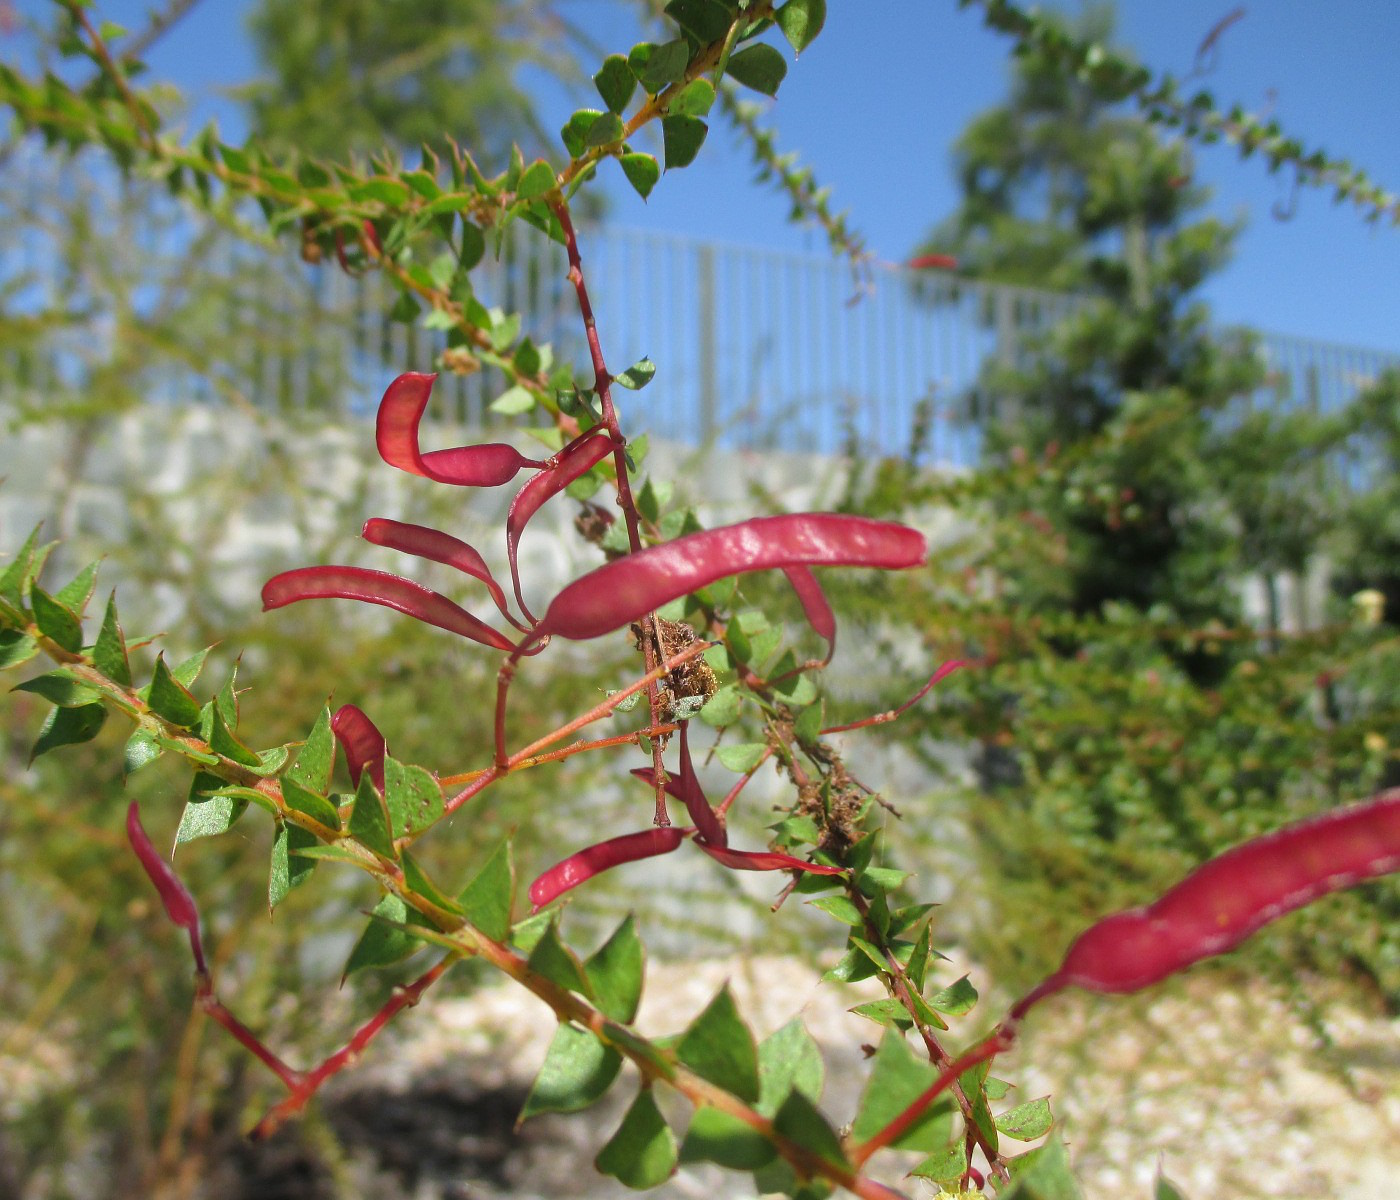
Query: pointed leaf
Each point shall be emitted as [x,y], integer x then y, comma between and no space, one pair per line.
[642,171]
[788,1060]
[705,20]
[642,1153]
[604,131]
[693,100]
[60,688]
[55,621]
[15,577]
[956,1000]
[615,970]
[288,868]
[896,1080]
[681,138]
[222,741]
[1047,1176]
[486,900]
[312,769]
[715,1136]
[75,594]
[637,376]
[68,727]
[170,699]
[658,66]
[578,1069]
[1027,1121]
[535,181]
[800,1122]
[369,822]
[417,882]
[109,654]
[718,1046]
[309,803]
[759,66]
[141,749]
[207,813]
[383,943]
[801,21]
[413,797]
[557,963]
[615,82]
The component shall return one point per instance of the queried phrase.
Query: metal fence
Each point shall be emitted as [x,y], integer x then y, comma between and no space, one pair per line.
[754,348]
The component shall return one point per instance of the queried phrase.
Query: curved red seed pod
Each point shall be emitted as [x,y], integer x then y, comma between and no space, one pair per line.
[953,664]
[396,435]
[814,604]
[1222,902]
[362,742]
[179,904]
[620,592]
[571,462]
[439,547]
[379,587]
[593,860]
[684,786]
[764,860]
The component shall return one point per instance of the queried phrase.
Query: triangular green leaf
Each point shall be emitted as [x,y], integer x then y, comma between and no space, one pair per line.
[604,131]
[308,803]
[16,648]
[141,749]
[68,727]
[535,181]
[615,82]
[719,1047]
[715,1136]
[557,963]
[801,21]
[1043,1174]
[642,172]
[693,100]
[944,1164]
[288,868]
[55,621]
[642,1153]
[16,576]
[369,822]
[788,1060]
[383,943]
[487,898]
[896,1080]
[681,138]
[800,1122]
[75,594]
[187,671]
[956,999]
[705,20]
[637,376]
[207,814]
[413,797]
[578,1069]
[616,971]
[417,882]
[658,66]
[170,699]
[109,654]
[758,66]
[1027,1121]
[312,768]
[222,741]
[60,688]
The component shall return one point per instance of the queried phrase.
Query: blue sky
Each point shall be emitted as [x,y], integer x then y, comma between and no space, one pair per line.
[876,102]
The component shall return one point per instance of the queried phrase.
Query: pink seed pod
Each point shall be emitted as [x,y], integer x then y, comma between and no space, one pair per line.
[684,786]
[179,904]
[379,587]
[764,860]
[364,745]
[437,546]
[574,460]
[814,604]
[620,592]
[1228,898]
[396,435]
[593,860]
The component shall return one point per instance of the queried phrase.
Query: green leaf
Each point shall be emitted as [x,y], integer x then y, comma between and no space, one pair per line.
[556,962]
[208,814]
[801,21]
[615,970]
[788,1060]
[312,769]
[972,1084]
[487,898]
[1162,1189]
[170,699]
[417,882]
[638,375]
[682,138]
[413,797]
[800,1122]
[578,1069]
[841,908]
[382,943]
[896,1080]
[16,648]
[718,1046]
[851,967]
[615,82]
[75,594]
[16,576]
[705,20]
[642,172]
[1027,1121]
[656,67]
[384,191]
[742,756]
[642,1153]
[369,820]
[723,707]
[808,725]
[956,999]
[942,1165]
[887,1012]
[716,1137]
[513,401]
[222,741]
[576,130]
[759,66]
[188,669]
[141,749]
[68,727]
[309,803]
[1044,1175]
[55,621]
[884,878]
[537,179]
[693,100]
[109,654]
[604,131]
[525,934]
[59,687]
[288,869]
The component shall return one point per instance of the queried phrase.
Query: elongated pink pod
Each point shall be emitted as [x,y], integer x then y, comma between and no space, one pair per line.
[593,860]
[574,460]
[379,587]
[684,786]
[1228,898]
[764,860]
[436,546]
[364,746]
[179,904]
[814,604]
[619,592]
[396,435]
